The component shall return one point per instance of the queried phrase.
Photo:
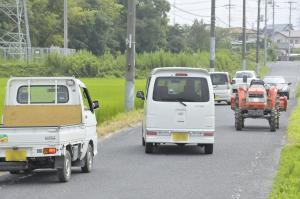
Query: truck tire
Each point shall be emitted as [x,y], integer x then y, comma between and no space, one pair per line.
[208,148]
[64,174]
[277,112]
[273,121]
[149,147]
[88,160]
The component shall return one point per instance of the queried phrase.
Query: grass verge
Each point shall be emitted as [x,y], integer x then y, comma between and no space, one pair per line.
[120,121]
[287,182]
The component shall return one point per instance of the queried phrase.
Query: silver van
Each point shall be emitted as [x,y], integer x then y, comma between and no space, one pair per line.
[222,86]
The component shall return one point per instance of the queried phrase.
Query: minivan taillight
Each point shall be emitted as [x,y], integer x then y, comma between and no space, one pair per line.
[151,133]
[209,134]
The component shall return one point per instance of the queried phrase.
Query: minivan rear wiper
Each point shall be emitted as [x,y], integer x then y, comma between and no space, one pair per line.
[181,102]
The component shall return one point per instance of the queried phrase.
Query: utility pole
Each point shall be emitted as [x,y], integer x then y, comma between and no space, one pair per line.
[130,64]
[244,36]
[65,26]
[229,5]
[257,38]
[273,32]
[266,34]
[290,21]
[213,36]
[174,12]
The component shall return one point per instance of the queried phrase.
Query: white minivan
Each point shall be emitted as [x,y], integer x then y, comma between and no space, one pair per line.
[179,108]
[222,86]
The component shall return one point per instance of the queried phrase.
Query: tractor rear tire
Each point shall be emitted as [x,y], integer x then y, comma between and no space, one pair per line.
[239,120]
[273,121]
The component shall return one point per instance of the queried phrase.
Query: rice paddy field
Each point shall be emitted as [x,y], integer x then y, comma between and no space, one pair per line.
[109,92]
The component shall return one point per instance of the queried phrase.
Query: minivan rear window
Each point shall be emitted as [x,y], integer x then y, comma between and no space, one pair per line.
[185,89]
[219,79]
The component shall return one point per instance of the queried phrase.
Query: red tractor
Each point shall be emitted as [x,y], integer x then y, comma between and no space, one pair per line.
[257,102]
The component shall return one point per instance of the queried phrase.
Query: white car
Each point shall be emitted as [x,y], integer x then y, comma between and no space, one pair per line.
[48,123]
[179,109]
[222,86]
[238,80]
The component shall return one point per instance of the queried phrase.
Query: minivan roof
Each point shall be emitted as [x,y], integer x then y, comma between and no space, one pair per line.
[179,69]
[219,73]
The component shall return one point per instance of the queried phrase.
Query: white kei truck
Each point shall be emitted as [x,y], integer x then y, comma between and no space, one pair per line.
[179,109]
[48,123]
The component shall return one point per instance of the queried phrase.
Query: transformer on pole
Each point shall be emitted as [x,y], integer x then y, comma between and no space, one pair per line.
[15,38]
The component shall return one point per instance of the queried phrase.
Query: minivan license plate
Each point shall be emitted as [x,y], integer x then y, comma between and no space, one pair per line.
[180,137]
[15,155]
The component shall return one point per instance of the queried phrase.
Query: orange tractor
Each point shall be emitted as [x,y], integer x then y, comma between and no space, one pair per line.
[257,102]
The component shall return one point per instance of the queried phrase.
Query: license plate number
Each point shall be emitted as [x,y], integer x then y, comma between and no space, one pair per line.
[15,155]
[180,137]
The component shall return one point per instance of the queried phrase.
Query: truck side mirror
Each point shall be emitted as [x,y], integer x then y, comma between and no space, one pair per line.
[140,95]
[96,105]
[290,83]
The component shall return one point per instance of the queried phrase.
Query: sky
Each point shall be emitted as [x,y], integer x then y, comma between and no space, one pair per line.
[185,11]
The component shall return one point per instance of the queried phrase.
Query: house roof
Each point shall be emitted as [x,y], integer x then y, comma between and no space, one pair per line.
[239,30]
[294,33]
[279,27]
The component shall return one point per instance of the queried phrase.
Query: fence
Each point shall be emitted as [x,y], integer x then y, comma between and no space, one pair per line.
[33,53]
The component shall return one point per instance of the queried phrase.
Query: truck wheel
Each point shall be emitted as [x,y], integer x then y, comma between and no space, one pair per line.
[64,174]
[273,121]
[88,160]
[208,148]
[149,147]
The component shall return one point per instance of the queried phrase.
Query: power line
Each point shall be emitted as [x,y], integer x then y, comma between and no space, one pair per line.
[190,13]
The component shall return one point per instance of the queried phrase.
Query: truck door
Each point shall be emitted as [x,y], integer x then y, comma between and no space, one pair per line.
[89,118]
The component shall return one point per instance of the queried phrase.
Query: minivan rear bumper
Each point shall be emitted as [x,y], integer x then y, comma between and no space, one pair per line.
[185,137]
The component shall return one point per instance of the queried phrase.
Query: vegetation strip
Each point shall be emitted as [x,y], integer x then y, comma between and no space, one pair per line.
[287,181]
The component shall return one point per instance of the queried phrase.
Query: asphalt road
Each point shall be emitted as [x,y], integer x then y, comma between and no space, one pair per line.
[242,166]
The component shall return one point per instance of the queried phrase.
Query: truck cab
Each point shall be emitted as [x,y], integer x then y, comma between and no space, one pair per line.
[48,122]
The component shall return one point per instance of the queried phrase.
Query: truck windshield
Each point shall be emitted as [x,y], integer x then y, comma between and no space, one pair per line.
[42,94]
[219,79]
[183,89]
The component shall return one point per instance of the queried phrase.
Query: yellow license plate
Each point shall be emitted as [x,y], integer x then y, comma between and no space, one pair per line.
[180,137]
[15,155]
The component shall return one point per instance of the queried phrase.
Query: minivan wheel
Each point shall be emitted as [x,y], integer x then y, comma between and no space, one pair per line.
[208,148]
[88,160]
[64,174]
[149,147]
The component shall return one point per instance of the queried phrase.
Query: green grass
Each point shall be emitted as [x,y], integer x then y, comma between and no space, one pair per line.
[109,92]
[287,182]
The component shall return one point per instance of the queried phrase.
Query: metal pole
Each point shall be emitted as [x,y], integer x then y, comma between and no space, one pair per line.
[244,36]
[130,64]
[273,32]
[257,38]
[65,26]
[213,36]
[266,35]
[290,24]
[174,12]
[28,41]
